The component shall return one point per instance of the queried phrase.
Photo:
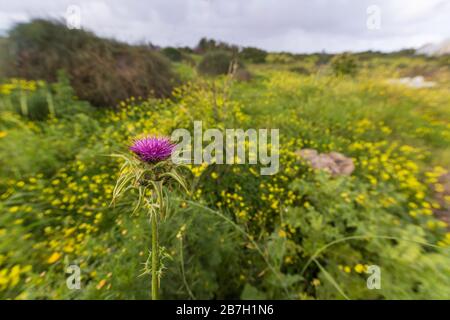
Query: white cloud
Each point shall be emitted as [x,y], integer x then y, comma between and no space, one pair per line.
[294,25]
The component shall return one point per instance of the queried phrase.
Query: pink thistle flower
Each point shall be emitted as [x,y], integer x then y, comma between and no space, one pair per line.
[153,149]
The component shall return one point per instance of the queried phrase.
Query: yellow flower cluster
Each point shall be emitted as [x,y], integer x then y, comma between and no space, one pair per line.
[20,84]
[358,268]
[9,278]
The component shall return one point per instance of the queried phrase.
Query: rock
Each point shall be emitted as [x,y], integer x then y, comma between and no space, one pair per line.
[346,166]
[415,82]
[334,162]
[242,75]
[307,154]
[325,162]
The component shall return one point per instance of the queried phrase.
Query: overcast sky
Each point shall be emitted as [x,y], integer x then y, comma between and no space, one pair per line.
[276,25]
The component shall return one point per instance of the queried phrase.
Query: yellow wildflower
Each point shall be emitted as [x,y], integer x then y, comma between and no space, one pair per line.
[54,257]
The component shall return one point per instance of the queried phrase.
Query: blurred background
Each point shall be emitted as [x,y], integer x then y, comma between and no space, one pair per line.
[358,89]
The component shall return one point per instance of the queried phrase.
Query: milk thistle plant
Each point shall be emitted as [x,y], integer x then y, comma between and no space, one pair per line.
[151,172]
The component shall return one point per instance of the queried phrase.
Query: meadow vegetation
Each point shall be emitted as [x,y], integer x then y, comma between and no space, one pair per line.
[298,234]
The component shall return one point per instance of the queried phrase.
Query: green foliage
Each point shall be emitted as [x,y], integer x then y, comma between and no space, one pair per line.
[344,64]
[185,71]
[215,63]
[300,70]
[205,45]
[322,58]
[101,71]
[51,144]
[299,234]
[253,55]
[37,100]
[444,60]
[3,55]
[283,58]
[172,53]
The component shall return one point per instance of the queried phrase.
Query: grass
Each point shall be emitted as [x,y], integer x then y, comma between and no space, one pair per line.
[240,235]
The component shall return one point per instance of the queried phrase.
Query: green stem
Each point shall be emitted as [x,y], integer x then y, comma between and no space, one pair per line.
[155,256]
[23,104]
[51,106]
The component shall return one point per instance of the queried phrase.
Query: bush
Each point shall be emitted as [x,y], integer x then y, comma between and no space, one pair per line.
[254,55]
[215,63]
[3,52]
[344,64]
[206,45]
[102,71]
[173,54]
[178,55]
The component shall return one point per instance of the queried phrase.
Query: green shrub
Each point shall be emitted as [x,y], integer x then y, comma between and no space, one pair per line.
[206,45]
[344,64]
[172,53]
[102,71]
[253,55]
[215,63]
[3,54]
